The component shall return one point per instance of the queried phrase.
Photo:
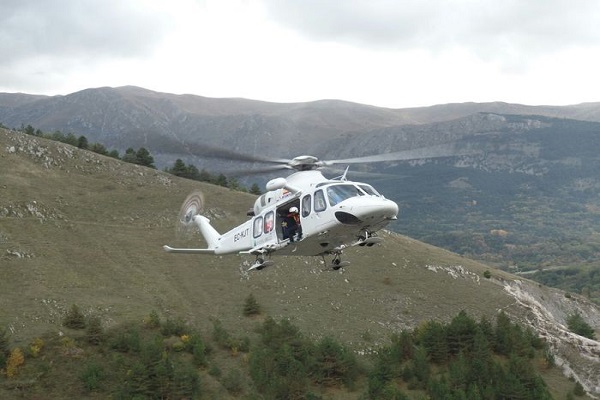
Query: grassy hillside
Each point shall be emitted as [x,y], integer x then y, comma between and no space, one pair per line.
[79,228]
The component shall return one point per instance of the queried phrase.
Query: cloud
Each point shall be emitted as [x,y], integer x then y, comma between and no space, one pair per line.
[488,29]
[51,37]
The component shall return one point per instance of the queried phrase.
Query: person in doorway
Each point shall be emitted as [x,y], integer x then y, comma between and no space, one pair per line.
[291,225]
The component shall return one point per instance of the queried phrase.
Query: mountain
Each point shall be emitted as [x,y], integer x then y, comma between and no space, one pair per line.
[525,196]
[80,228]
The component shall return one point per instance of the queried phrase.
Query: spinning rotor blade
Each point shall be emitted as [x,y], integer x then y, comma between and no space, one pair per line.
[444,150]
[255,171]
[224,154]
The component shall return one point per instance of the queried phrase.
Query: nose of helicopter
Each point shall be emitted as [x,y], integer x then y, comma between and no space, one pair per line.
[372,210]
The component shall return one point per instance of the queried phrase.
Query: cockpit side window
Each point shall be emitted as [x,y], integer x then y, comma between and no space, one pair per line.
[320,204]
[306,205]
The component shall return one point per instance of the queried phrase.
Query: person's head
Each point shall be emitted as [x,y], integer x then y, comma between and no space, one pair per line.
[294,210]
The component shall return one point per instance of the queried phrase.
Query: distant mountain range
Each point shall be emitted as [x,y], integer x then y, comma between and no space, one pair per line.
[527,196]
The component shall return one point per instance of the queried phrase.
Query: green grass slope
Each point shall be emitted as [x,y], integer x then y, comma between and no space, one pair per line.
[80,228]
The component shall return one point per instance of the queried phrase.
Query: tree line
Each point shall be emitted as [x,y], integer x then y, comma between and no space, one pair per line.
[144,158]
[463,359]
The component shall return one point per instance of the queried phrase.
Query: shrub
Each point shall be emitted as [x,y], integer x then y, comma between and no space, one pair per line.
[94,332]
[220,335]
[74,318]
[36,347]
[251,306]
[174,327]
[91,376]
[578,389]
[487,274]
[14,362]
[152,321]
[233,381]
[577,325]
[334,363]
[4,351]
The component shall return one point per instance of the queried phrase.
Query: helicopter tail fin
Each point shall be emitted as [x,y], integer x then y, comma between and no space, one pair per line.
[206,229]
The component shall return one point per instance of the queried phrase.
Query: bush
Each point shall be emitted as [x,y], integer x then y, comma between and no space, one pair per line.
[251,306]
[577,325]
[4,350]
[233,381]
[487,274]
[91,376]
[334,363]
[14,362]
[94,332]
[173,327]
[74,318]
[152,321]
[36,347]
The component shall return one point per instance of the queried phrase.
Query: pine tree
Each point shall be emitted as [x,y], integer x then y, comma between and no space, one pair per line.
[179,168]
[74,318]
[143,157]
[251,306]
[255,189]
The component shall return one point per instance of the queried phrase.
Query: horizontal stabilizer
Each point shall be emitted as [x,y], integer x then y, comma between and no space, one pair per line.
[170,249]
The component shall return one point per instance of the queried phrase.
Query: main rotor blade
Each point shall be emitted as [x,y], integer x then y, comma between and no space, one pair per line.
[445,150]
[255,171]
[224,154]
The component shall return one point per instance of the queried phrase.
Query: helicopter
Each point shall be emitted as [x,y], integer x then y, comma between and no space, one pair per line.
[305,214]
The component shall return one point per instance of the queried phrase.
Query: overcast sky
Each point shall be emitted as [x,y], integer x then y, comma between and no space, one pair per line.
[388,53]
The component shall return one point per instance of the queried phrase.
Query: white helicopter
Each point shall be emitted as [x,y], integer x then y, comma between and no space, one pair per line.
[305,214]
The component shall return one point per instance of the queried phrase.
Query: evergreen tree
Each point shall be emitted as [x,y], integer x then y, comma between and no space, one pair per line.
[221,180]
[254,189]
[205,176]
[143,157]
[130,156]
[179,168]
[98,148]
[74,318]
[114,154]
[82,142]
[71,139]
[4,350]
[504,340]
[461,333]
[193,172]
[577,325]
[29,130]
[251,306]
[433,338]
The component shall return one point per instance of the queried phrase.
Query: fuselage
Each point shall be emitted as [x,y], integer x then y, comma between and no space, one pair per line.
[333,214]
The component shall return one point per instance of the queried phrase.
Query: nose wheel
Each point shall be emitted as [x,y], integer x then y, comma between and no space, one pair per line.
[368,239]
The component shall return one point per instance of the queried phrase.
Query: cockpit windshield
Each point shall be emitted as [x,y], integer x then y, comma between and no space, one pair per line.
[338,193]
[369,189]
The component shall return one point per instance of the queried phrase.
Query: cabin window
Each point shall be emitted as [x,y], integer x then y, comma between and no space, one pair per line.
[320,204]
[339,193]
[258,226]
[306,205]
[269,221]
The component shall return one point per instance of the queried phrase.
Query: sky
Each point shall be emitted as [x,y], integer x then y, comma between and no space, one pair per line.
[386,53]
